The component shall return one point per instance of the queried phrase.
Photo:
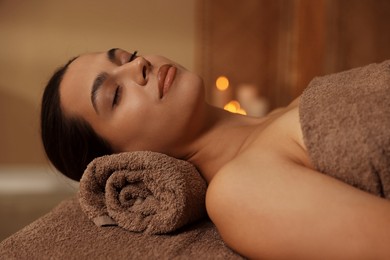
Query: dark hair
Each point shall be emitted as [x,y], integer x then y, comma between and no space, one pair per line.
[69,142]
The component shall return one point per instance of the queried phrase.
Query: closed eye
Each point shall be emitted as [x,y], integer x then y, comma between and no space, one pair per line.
[117,95]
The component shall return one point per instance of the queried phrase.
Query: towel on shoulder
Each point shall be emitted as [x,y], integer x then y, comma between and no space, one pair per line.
[143,192]
[345,119]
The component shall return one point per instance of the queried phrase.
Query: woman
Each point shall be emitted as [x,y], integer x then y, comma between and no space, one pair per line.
[264,195]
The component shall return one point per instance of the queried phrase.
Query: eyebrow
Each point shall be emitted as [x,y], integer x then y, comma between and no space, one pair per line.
[100,79]
[97,84]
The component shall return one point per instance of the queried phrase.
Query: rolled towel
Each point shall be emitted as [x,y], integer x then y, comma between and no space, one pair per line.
[143,192]
[345,119]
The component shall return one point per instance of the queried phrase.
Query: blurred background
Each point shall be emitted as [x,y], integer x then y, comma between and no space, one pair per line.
[254,55]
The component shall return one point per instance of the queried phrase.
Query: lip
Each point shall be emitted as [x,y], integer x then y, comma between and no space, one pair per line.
[165,76]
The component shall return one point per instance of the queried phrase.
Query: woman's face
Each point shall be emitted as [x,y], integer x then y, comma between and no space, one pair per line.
[134,102]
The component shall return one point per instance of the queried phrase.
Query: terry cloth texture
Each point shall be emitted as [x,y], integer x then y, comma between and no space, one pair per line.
[345,119]
[67,233]
[143,192]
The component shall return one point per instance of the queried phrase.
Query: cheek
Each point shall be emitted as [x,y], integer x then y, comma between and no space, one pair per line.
[147,128]
[143,124]
[190,95]
[131,116]
[123,124]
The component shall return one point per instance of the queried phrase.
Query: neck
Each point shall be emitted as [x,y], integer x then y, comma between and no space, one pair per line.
[222,137]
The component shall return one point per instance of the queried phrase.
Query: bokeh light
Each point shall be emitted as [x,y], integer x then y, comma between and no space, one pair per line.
[222,83]
[234,107]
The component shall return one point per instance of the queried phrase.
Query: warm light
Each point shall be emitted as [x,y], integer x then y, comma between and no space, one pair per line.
[230,107]
[222,83]
[234,107]
[241,111]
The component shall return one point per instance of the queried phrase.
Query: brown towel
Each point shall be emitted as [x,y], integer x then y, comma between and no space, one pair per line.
[142,192]
[345,119]
[66,233]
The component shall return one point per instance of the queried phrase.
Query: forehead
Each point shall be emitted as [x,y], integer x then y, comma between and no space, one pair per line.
[83,66]
[77,82]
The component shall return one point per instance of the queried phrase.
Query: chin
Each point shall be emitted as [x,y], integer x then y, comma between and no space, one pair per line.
[196,90]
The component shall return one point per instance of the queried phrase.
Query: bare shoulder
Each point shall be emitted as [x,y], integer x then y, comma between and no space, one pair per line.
[261,202]
[276,148]
[282,137]
[269,195]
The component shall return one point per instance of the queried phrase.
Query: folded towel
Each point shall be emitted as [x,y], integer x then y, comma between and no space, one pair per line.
[345,119]
[143,192]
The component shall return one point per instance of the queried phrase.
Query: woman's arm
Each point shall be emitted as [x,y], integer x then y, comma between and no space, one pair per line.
[274,208]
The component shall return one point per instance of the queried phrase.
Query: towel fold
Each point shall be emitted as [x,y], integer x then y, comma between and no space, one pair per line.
[345,120]
[143,192]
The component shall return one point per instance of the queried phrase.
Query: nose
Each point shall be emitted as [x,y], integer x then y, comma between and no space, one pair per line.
[136,71]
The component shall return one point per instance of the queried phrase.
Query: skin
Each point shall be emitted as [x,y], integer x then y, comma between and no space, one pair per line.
[264,195]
